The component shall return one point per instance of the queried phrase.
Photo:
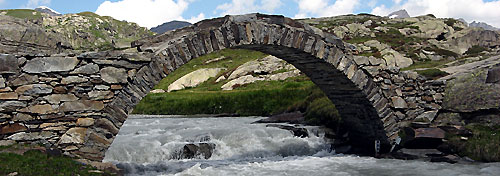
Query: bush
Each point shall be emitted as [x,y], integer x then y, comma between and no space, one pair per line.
[475,50]
[432,73]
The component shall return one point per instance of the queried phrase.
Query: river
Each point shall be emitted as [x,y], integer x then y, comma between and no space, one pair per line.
[150,145]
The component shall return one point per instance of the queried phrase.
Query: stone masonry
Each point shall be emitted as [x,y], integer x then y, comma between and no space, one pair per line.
[78,102]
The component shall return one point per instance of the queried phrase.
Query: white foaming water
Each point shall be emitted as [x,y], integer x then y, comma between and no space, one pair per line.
[148,146]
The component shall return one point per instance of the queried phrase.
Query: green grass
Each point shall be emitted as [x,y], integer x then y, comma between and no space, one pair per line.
[243,102]
[475,50]
[23,13]
[34,162]
[425,64]
[432,73]
[483,145]
[442,52]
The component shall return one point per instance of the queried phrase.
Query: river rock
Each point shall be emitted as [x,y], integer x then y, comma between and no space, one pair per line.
[50,64]
[293,117]
[298,132]
[423,138]
[190,151]
[194,78]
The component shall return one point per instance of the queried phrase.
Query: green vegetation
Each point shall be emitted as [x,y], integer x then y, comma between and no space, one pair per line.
[432,73]
[481,146]
[475,50]
[401,25]
[425,64]
[261,102]
[23,13]
[34,162]
[442,52]
[319,110]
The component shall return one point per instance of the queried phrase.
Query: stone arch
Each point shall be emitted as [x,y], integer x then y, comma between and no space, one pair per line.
[321,56]
[78,103]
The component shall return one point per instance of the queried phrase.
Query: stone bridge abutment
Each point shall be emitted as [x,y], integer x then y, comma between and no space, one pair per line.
[78,102]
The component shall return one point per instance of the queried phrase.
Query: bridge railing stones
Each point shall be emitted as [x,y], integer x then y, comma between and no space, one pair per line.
[78,103]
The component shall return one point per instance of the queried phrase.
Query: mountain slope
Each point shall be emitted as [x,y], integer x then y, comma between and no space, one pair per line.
[30,31]
[168,26]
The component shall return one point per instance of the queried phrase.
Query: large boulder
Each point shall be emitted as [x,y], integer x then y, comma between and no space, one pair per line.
[194,78]
[204,150]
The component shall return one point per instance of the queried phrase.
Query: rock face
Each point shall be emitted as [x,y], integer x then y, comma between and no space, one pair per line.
[195,78]
[45,31]
[483,25]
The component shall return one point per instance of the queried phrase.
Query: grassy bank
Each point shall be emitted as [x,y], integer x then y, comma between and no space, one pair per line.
[35,162]
[481,146]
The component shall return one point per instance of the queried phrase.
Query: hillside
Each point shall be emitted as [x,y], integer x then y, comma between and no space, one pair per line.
[30,31]
[168,26]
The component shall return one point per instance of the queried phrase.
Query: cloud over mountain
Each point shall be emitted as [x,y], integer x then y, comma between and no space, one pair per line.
[236,7]
[147,13]
[323,8]
[470,10]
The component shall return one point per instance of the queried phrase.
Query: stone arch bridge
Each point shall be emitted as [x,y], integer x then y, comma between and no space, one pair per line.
[78,102]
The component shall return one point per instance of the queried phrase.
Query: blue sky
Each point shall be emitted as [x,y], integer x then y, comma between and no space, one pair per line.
[150,13]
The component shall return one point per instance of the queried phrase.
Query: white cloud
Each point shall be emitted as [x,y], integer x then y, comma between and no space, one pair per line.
[35,3]
[147,13]
[237,7]
[470,10]
[195,19]
[323,8]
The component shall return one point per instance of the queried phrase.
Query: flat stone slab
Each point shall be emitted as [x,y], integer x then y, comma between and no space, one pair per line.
[50,64]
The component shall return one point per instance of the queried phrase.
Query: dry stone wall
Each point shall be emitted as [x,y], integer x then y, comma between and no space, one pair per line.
[78,102]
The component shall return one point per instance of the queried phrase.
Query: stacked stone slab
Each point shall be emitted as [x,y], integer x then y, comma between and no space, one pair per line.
[78,103]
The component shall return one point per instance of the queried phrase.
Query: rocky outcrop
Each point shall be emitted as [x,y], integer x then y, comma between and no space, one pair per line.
[195,78]
[264,70]
[399,14]
[41,32]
